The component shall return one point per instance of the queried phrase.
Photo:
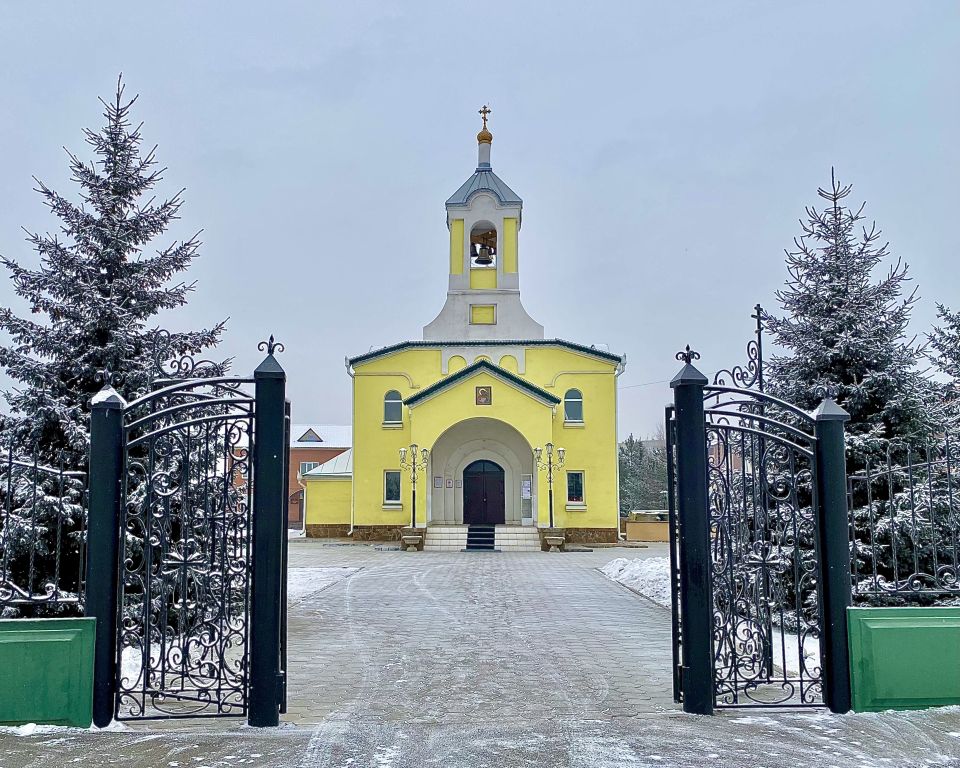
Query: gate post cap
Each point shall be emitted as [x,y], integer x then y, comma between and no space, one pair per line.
[108,398]
[829,410]
[687,375]
[269,369]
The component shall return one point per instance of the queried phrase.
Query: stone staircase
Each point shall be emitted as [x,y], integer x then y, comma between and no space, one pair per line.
[507,538]
[517,538]
[445,538]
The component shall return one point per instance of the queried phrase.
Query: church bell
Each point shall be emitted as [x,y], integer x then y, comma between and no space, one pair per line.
[484,257]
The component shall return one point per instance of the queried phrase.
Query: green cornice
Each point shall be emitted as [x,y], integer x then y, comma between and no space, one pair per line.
[483,365]
[583,349]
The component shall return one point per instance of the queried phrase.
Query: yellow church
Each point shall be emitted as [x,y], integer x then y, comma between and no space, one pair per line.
[483,434]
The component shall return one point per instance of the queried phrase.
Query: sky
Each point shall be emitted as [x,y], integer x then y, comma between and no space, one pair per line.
[664,153]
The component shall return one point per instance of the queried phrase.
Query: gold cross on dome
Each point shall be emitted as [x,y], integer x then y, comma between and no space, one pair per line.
[484,112]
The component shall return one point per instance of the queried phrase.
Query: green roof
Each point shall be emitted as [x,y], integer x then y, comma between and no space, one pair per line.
[486,343]
[483,365]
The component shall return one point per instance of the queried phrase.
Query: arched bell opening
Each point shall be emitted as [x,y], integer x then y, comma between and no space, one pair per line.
[483,245]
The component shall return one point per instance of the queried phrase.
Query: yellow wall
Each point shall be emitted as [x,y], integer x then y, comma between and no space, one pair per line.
[591,447]
[327,501]
[483,278]
[509,363]
[456,247]
[509,247]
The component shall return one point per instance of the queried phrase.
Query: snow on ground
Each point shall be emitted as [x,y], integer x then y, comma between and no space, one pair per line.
[775,740]
[788,644]
[35,729]
[649,576]
[303,582]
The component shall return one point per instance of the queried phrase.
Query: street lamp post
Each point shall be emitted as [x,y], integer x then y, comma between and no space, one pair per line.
[416,465]
[549,465]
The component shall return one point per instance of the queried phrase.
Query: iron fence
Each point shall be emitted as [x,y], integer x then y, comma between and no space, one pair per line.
[905,526]
[42,534]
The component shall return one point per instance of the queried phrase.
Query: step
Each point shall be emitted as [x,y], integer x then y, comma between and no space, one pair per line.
[481,537]
[517,539]
[445,539]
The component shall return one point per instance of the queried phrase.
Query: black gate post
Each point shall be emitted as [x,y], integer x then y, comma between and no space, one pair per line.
[286,555]
[833,552]
[696,611]
[269,528]
[103,544]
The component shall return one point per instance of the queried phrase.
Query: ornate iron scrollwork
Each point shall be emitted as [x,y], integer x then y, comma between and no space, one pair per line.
[271,346]
[108,378]
[826,391]
[687,355]
[170,363]
[750,375]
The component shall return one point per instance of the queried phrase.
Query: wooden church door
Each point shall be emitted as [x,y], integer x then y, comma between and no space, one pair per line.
[484,501]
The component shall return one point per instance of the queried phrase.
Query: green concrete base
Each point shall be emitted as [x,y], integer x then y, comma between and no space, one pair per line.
[46,671]
[904,658]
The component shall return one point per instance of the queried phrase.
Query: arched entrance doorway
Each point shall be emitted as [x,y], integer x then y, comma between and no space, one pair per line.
[470,441]
[483,493]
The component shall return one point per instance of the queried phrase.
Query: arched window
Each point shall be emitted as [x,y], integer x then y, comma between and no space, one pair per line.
[392,407]
[573,405]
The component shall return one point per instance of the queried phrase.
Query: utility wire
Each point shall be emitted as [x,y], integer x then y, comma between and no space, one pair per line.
[645,384]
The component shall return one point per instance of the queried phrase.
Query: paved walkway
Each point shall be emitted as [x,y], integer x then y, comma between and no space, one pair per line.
[479,637]
[483,660]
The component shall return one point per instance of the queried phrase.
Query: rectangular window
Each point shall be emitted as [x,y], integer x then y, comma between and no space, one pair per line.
[575,487]
[483,314]
[391,486]
[306,466]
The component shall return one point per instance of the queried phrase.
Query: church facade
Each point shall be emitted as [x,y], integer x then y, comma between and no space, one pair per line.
[498,425]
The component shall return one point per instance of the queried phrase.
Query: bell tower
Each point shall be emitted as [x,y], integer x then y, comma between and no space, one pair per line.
[483,293]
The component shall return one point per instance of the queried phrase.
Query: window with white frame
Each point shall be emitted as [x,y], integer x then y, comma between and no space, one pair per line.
[391,486]
[573,405]
[392,407]
[306,466]
[575,487]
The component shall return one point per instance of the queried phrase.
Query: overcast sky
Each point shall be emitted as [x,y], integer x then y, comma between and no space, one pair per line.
[664,153]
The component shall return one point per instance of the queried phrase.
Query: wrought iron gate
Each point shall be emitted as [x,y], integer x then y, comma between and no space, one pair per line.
[746,500]
[193,477]
[185,552]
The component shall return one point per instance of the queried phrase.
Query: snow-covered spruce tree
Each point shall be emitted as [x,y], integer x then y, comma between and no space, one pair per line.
[945,347]
[841,327]
[630,455]
[643,475]
[96,291]
[99,291]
